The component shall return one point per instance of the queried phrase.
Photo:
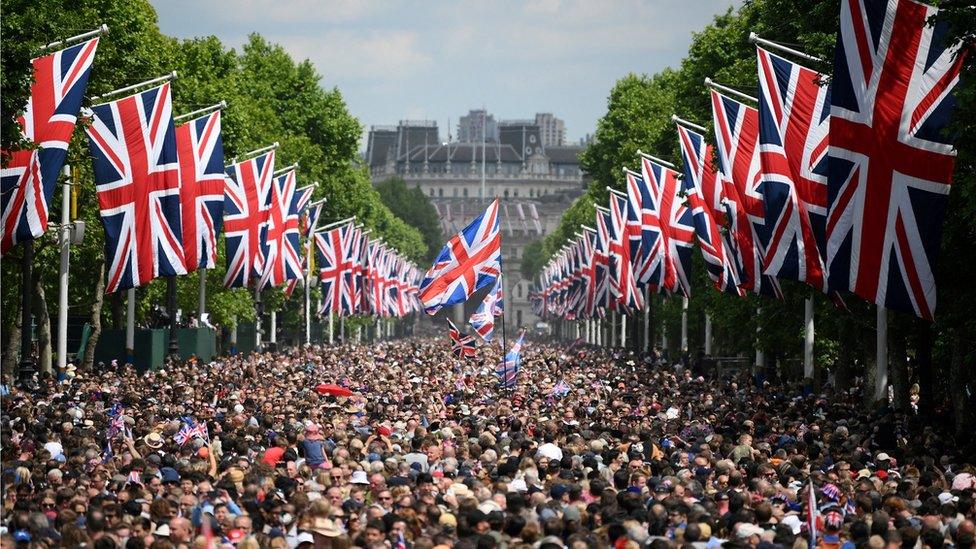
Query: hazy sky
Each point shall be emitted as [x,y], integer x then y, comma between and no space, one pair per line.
[435,59]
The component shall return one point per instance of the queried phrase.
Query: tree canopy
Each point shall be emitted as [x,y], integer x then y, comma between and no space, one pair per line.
[270,96]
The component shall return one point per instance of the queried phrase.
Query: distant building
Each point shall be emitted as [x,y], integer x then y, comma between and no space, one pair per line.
[551,129]
[470,127]
[535,182]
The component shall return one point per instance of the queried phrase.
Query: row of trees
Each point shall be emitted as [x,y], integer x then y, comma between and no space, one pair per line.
[935,355]
[270,97]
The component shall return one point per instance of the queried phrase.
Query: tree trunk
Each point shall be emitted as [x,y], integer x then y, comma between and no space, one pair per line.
[96,318]
[961,389]
[43,320]
[9,364]
[118,318]
[898,373]
[924,368]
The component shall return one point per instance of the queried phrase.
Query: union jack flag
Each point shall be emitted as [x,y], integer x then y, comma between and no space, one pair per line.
[483,319]
[601,259]
[462,345]
[471,260]
[627,295]
[589,274]
[355,276]
[676,227]
[890,164]
[704,197]
[283,260]
[202,181]
[133,148]
[642,198]
[246,210]
[794,120]
[27,182]
[334,263]
[736,136]
[508,370]
[312,217]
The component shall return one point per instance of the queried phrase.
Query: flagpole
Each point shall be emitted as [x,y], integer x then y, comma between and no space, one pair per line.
[64,234]
[26,371]
[113,93]
[881,370]
[130,325]
[201,112]
[74,39]
[252,154]
[647,319]
[755,39]
[808,338]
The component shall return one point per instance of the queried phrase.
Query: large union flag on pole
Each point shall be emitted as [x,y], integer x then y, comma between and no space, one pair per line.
[890,165]
[27,182]
[133,148]
[202,181]
[704,197]
[335,264]
[677,231]
[245,215]
[283,261]
[794,120]
[470,260]
[737,144]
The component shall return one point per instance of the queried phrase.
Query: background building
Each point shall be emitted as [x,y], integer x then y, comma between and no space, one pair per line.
[469,127]
[551,129]
[534,181]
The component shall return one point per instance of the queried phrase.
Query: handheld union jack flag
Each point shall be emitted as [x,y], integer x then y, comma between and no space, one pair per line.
[704,196]
[202,180]
[472,259]
[794,120]
[890,165]
[335,263]
[462,345]
[483,319]
[283,260]
[246,210]
[676,227]
[737,136]
[627,296]
[509,369]
[28,180]
[133,148]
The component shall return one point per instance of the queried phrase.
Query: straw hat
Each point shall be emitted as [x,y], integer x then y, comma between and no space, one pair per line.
[325,527]
[153,440]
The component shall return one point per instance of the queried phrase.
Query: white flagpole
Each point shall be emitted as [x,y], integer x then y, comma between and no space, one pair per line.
[755,39]
[113,93]
[647,319]
[130,325]
[257,321]
[331,329]
[64,240]
[74,39]
[684,324]
[725,89]
[200,112]
[808,338]
[623,331]
[252,154]
[708,334]
[881,372]
[273,338]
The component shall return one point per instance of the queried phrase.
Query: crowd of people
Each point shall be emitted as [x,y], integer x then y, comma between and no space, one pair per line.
[401,445]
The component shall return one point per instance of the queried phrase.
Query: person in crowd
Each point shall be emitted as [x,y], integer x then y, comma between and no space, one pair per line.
[591,448]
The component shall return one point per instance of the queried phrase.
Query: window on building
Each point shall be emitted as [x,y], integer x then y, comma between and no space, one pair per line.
[515,193]
[440,193]
[506,193]
[518,290]
[455,192]
[432,191]
[518,317]
[465,192]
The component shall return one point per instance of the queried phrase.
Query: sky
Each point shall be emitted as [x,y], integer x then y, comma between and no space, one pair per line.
[395,60]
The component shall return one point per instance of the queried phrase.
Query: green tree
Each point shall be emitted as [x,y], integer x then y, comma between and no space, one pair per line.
[412,206]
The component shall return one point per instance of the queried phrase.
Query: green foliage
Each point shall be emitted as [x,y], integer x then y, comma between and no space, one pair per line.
[412,206]
[637,117]
[271,97]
